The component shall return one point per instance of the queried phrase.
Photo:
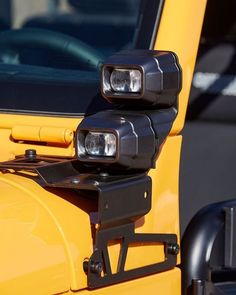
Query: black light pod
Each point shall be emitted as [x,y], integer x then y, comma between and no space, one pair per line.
[142,78]
[145,85]
[118,139]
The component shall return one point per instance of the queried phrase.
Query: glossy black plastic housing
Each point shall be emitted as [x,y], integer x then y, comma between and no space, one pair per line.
[161,77]
[208,249]
[136,140]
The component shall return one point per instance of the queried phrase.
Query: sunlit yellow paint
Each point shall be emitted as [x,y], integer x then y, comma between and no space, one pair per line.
[135,256]
[179,31]
[164,215]
[43,243]
[166,283]
[54,135]
[56,132]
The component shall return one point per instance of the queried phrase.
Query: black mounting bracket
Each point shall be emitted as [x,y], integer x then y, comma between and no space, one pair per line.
[122,199]
[98,267]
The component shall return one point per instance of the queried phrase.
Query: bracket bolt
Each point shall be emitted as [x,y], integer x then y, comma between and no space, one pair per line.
[30,154]
[95,267]
[173,249]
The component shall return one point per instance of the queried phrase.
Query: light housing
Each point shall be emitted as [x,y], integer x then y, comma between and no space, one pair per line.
[149,77]
[131,132]
[144,85]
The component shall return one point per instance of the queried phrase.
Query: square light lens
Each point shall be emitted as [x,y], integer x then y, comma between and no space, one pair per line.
[121,81]
[100,144]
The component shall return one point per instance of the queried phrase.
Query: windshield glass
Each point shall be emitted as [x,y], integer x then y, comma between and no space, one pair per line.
[51,51]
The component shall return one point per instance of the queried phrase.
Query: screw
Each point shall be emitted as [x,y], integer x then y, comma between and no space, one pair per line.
[30,154]
[173,249]
[95,267]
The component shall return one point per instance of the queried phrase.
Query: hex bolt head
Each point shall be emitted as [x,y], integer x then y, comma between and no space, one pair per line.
[173,249]
[96,267]
[30,154]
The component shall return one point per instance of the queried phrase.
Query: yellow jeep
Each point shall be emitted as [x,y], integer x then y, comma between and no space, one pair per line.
[93,99]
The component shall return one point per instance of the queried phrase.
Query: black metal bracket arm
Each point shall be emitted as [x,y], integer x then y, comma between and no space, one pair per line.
[121,198]
[98,267]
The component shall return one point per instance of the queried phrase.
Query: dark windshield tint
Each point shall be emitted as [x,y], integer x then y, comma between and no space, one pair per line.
[51,51]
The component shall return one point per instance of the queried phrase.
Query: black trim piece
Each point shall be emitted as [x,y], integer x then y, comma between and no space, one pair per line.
[157,23]
[150,20]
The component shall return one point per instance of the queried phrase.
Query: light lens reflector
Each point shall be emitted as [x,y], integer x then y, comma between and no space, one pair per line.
[100,144]
[124,80]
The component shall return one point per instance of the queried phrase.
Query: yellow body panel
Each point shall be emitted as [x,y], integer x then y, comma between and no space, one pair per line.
[53,135]
[45,236]
[179,31]
[43,244]
[162,284]
[53,233]
[15,129]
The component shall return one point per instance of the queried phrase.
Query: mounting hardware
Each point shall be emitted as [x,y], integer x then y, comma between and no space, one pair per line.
[93,267]
[173,249]
[31,154]
[126,233]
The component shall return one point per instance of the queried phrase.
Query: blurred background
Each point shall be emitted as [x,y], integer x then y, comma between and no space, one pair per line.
[14,12]
[208,162]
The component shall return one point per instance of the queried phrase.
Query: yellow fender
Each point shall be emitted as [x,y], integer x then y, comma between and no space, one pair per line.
[44,239]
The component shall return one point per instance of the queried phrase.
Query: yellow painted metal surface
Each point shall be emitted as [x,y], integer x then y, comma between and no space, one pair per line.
[179,31]
[54,135]
[166,283]
[44,239]
[18,133]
